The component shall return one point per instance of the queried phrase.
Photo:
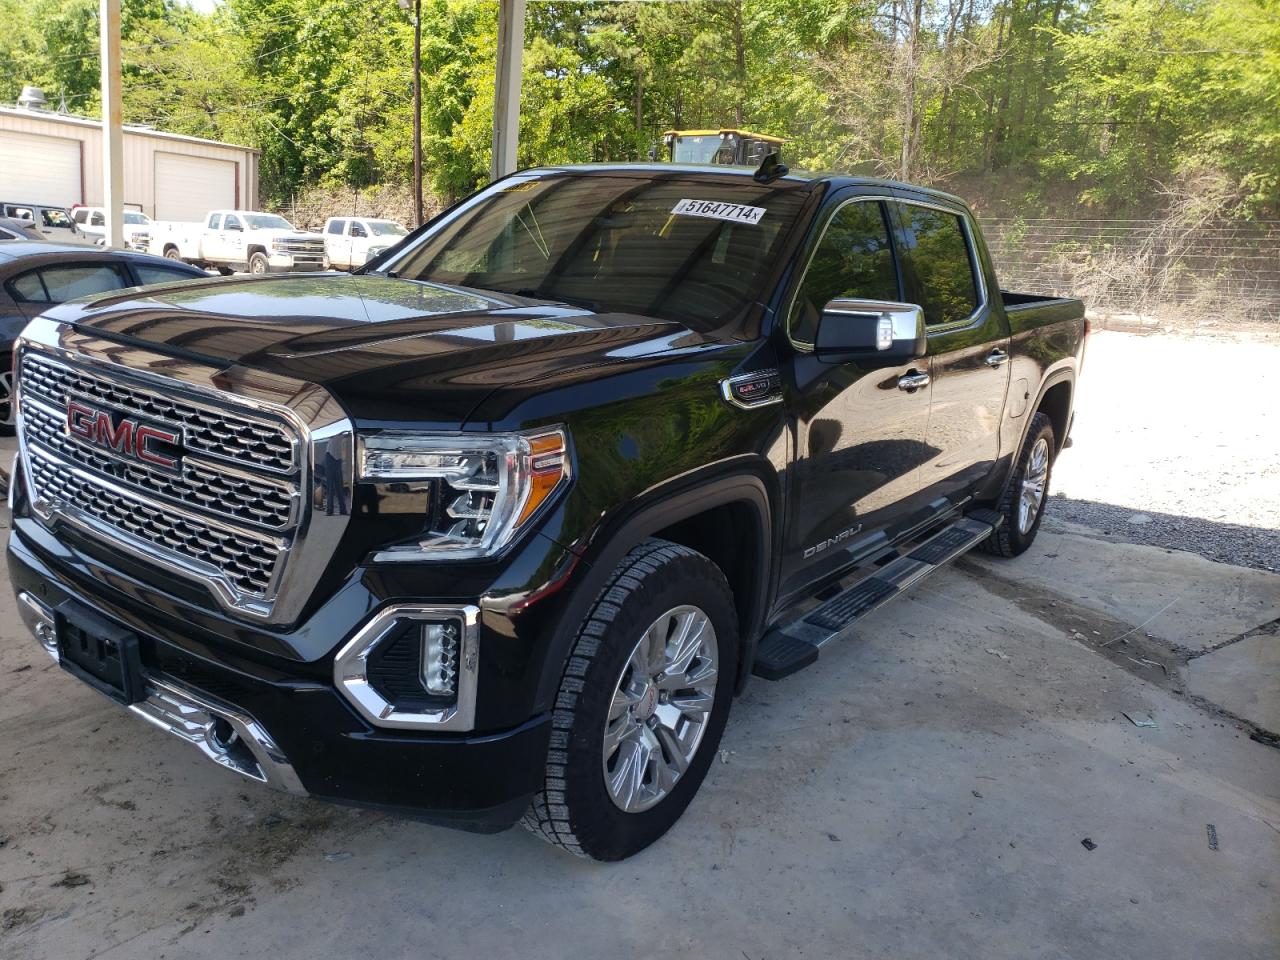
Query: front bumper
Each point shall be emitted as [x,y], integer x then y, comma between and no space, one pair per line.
[295,262]
[294,731]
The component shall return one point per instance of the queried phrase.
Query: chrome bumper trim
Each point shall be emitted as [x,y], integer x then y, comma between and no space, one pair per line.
[39,620]
[351,666]
[240,743]
[247,749]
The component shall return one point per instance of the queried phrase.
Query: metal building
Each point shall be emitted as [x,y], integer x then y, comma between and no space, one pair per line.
[56,158]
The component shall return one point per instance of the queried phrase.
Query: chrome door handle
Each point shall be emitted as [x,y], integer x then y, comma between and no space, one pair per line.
[911,382]
[996,358]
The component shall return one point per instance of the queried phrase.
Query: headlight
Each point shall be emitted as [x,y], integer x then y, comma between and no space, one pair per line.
[484,488]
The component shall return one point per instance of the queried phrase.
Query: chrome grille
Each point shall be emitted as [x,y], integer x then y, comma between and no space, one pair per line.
[207,430]
[260,501]
[247,561]
[229,514]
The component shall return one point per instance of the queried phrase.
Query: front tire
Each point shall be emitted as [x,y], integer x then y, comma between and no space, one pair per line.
[1023,501]
[641,706]
[8,419]
[259,265]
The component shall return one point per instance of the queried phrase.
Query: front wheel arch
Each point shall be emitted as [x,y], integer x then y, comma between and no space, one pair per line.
[668,517]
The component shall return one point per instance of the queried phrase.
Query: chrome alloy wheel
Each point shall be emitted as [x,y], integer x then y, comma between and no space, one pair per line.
[7,413]
[660,708]
[1034,479]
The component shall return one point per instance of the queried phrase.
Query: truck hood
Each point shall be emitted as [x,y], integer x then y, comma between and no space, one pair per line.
[388,349]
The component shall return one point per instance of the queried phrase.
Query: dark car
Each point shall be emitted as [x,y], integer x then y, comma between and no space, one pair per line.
[496,528]
[11,228]
[35,275]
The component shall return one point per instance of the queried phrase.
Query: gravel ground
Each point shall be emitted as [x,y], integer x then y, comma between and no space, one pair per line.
[1177,445]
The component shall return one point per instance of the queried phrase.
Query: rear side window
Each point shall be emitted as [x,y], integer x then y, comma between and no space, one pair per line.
[936,251]
[97,220]
[854,259]
[151,273]
[335,226]
[215,221]
[64,282]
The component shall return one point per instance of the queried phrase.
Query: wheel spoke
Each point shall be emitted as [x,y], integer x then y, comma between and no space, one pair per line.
[618,734]
[673,749]
[695,704]
[686,644]
[628,775]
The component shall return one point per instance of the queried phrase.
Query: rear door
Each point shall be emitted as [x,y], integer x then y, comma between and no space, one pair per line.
[336,244]
[968,345]
[859,433]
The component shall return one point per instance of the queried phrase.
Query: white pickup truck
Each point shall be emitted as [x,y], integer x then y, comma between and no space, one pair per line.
[350,242]
[231,240]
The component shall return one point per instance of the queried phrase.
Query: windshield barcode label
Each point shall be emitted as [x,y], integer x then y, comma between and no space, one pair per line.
[717,210]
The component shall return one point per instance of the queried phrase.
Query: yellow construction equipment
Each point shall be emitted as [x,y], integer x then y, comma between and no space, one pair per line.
[728,146]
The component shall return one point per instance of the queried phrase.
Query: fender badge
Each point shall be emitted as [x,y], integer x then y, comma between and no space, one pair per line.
[756,389]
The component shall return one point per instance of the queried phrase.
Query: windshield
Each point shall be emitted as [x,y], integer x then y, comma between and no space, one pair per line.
[385,228]
[131,217]
[266,221]
[694,250]
[700,149]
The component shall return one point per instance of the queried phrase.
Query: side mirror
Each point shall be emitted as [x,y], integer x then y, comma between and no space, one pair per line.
[235,227]
[871,332]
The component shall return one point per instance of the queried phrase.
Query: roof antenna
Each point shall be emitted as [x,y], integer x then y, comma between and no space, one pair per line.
[770,169]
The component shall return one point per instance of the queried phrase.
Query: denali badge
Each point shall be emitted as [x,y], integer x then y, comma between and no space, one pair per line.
[835,541]
[123,435]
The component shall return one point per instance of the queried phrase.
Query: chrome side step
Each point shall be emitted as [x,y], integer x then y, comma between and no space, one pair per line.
[795,645]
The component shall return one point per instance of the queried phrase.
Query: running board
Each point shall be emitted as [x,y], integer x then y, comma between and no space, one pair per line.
[795,645]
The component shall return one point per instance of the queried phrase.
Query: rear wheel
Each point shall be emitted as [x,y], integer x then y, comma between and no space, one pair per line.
[172,253]
[1023,501]
[641,706]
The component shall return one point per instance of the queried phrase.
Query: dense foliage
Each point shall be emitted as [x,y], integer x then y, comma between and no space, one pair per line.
[1112,102]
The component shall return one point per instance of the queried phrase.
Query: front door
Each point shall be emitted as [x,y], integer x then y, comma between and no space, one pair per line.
[968,347]
[859,431]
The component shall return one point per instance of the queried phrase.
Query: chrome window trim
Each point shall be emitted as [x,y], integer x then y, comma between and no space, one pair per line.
[311,411]
[350,670]
[808,347]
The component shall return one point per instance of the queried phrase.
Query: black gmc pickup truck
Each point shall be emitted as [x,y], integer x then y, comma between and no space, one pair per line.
[497,528]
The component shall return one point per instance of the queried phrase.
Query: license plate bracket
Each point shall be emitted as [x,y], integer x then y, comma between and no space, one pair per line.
[99,652]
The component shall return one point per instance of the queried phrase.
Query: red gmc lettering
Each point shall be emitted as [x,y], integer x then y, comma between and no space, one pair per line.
[128,438]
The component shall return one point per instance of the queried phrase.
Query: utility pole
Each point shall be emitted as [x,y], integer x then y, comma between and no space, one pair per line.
[417,108]
[506,88]
[112,131]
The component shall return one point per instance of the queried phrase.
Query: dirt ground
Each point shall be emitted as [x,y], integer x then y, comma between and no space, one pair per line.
[961,776]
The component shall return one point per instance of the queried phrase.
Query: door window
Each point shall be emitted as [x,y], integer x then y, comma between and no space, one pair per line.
[215,221]
[357,230]
[336,226]
[936,251]
[232,223]
[64,282]
[97,220]
[854,259]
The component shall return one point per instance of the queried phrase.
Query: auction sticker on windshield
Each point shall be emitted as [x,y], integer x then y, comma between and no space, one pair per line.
[718,210]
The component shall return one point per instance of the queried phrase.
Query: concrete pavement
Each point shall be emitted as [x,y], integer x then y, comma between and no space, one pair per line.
[925,790]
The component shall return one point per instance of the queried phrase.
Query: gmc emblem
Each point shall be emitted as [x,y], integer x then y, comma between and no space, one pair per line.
[124,436]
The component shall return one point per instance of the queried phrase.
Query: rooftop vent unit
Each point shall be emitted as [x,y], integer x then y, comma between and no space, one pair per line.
[32,98]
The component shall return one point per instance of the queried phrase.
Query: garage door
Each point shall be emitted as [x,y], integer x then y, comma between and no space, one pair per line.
[188,187]
[39,169]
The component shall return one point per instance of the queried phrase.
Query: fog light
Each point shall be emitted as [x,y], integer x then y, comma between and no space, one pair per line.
[440,658]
